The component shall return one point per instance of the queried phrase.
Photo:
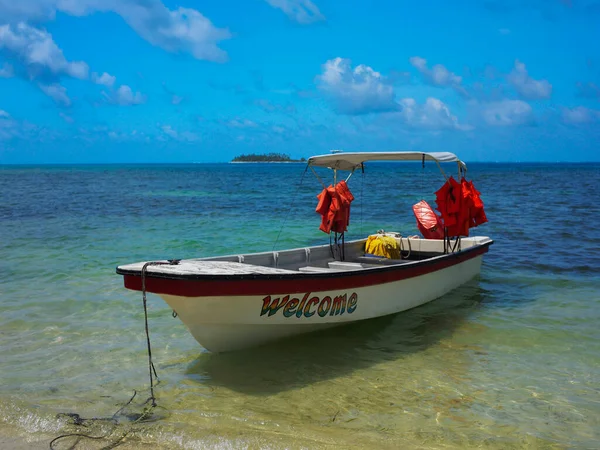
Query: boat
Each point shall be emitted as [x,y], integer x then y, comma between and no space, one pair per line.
[238,301]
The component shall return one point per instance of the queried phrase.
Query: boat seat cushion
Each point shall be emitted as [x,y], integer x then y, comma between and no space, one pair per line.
[381,261]
[345,265]
[316,269]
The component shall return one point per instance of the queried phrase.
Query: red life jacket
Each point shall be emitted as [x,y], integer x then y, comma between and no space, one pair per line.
[450,204]
[429,223]
[460,206]
[334,208]
[342,218]
[472,196]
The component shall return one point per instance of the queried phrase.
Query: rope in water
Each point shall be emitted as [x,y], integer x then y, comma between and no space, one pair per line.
[79,421]
[151,368]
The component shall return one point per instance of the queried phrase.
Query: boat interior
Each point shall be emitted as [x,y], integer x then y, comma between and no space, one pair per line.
[346,257]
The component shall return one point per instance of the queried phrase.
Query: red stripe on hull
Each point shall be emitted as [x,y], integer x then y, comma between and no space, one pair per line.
[291,284]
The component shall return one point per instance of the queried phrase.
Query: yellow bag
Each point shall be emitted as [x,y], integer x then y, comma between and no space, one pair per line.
[384,246]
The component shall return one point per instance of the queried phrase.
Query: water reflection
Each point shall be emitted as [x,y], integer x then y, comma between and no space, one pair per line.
[296,362]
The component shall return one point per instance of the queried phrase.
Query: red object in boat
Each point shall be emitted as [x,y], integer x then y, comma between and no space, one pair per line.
[474,203]
[334,208]
[429,223]
[460,206]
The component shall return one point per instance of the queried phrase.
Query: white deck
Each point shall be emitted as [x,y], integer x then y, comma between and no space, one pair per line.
[199,267]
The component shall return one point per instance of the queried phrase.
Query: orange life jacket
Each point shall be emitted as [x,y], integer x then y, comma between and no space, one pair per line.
[449,203]
[429,223]
[460,206]
[473,199]
[334,208]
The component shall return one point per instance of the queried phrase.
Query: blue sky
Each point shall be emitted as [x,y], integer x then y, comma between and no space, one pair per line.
[192,81]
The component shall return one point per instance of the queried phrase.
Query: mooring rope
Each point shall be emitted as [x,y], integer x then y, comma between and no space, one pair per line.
[79,421]
[151,368]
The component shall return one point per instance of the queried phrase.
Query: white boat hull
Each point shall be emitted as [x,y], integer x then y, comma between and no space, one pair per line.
[236,301]
[229,323]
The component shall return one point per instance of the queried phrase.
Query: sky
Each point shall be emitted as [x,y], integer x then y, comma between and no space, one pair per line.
[150,81]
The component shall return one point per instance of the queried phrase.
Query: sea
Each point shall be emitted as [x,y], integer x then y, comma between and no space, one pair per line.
[509,360]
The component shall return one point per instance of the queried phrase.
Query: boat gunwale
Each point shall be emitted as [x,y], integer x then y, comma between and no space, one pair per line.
[297,275]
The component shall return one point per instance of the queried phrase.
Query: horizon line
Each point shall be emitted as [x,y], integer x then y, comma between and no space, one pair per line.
[262,162]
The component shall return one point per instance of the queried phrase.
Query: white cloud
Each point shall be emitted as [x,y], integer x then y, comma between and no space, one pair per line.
[183,30]
[125,96]
[105,79]
[186,136]
[507,113]
[38,53]
[301,11]
[9,128]
[526,86]
[7,71]
[169,131]
[356,91]
[438,75]
[588,90]
[14,11]
[579,115]
[269,107]
[66,117]
[241,123]
[102,132]
[175,99]
[39,59]
[57,93]
[433,114]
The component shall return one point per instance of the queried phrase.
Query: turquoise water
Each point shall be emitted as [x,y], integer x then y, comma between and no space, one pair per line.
[510,360]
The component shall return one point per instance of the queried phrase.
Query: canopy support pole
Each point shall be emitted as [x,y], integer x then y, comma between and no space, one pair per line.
[441,170]
[317,175]
[351,173]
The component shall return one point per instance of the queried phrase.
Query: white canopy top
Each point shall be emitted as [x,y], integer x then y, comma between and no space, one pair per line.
[353,160]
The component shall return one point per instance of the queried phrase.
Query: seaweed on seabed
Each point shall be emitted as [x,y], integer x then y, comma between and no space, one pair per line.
[87,428]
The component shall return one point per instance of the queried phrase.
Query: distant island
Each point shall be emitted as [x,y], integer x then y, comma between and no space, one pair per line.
[267,157]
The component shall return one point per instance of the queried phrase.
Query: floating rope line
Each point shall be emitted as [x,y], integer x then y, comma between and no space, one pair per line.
[147,412]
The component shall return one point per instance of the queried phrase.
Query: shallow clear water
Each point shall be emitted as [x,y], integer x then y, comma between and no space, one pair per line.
[510,360]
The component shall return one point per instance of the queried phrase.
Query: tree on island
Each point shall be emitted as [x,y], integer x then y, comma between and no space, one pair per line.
[267,157]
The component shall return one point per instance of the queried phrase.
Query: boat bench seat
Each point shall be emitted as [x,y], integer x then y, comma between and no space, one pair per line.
[380,261]
[345,265]
[317,269]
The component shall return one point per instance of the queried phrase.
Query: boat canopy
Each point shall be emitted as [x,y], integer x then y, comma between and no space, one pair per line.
[354,160]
